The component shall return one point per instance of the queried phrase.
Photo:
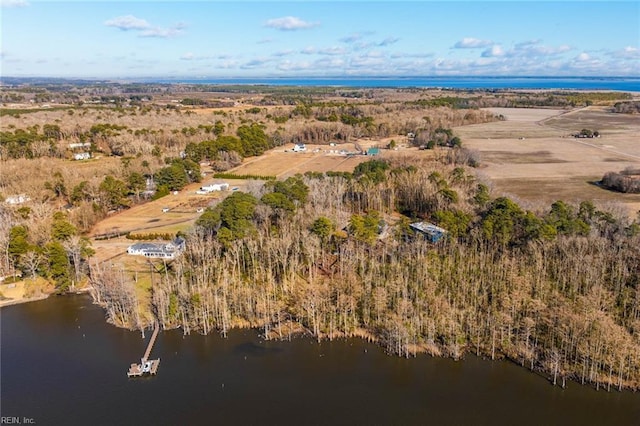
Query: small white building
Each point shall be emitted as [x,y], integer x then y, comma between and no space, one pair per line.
[17,199]
[79,145]
[81,156]
[213,188]
[299,147]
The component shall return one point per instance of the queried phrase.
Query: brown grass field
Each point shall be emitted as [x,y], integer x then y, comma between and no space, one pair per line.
[282,162]
[533,157]
[150,218]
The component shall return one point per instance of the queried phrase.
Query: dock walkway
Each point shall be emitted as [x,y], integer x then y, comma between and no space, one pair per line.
[146,366]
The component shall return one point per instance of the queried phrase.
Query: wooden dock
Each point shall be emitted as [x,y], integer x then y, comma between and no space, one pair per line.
[146,366]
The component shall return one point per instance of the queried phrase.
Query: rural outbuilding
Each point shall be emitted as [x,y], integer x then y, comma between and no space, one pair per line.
[430,231]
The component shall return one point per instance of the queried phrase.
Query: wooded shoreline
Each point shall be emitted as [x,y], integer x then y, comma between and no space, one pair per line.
[330,252]
[507,283]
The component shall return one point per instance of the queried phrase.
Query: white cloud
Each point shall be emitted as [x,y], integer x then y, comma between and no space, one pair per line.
[143,27]
[295,66]
[158,32]
[400,55]
[327,51]
[255,63]
[583,57]
[628,52]
[332,51]
[493,52]
[527,43]
[533,48]
[290,23]
[128,22]
[14,3]
[228,64]
[367,61]
[265,41]
[584,63]
[388,41]
[329,62]
[282,53]
[188,56]
[472,43]
[352,38]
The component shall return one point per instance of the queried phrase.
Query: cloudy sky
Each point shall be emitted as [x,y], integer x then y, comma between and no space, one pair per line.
[319,38]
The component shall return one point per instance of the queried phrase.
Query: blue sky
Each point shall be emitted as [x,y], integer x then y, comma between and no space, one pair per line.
[112,39]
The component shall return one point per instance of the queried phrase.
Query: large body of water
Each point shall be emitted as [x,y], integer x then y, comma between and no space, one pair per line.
[61,364]
[629,84]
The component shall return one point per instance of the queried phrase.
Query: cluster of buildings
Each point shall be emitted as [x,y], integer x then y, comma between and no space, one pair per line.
[80,150]
[300,147]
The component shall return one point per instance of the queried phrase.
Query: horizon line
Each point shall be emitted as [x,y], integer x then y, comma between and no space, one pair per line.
[312,77]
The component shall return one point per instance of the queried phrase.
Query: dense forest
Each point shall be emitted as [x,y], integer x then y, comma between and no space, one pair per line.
[556,290]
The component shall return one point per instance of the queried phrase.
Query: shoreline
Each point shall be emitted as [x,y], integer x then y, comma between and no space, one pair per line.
[20,301]
[23,300]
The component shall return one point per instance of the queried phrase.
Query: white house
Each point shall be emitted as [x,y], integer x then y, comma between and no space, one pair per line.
[163,250]
[299,147]
[214,187]
[82,156]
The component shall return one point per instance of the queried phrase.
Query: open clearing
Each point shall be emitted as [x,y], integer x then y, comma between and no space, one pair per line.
[282,162]
[532,155]
[151,218]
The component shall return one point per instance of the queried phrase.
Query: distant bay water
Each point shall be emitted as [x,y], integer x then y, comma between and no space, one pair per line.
[627,84]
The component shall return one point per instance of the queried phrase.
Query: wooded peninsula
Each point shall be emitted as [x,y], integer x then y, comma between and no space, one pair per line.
[320,229]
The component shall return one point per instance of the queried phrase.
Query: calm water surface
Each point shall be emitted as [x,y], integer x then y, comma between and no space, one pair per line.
[491,83]
[61,364]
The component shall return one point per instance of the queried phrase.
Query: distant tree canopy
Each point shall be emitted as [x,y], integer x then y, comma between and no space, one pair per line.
[365,227]
[627,107]
[19,143]
[627,181]
[55,257]
[293,189]
[61,228]
[372,170]
[178,174]
[231,219]
[250,140]
[323,227]
[114,193]
[440,136]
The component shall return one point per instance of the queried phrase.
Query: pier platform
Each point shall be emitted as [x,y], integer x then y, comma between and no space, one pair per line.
[147,366]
